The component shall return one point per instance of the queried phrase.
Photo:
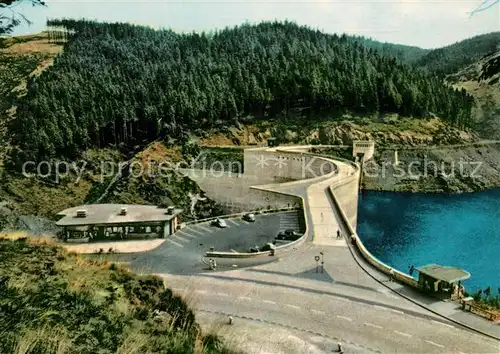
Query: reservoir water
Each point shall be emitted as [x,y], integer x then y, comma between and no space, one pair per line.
[404,229]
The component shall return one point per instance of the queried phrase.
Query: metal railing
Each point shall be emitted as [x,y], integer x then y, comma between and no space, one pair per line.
[478,310]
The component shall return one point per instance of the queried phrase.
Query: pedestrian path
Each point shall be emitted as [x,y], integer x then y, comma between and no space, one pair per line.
[323,217]
[132,246]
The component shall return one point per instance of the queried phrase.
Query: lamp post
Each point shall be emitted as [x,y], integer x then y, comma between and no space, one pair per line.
[322,262]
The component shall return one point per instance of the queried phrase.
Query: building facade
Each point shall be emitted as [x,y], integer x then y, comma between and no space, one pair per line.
[117,221]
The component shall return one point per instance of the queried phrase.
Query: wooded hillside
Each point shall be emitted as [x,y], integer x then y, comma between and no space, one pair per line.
[119,83]
[452,58]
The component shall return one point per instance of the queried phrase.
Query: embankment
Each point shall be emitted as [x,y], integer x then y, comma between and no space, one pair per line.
[89,306]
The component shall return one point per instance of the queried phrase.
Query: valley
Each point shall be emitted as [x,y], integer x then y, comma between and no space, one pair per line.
[25,58]
[111,113]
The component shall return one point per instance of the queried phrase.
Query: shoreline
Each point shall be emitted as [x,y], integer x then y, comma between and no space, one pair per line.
[430,192]
[388,221]
[448,170]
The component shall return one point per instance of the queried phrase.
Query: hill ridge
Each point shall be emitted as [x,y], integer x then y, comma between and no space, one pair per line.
[143,84]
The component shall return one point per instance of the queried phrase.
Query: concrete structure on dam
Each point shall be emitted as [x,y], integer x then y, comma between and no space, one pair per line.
[263,166]
[278,177]
[366,149]
[234,191]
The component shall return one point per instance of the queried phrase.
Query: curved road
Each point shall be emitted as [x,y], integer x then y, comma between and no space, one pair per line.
[340,304]
[290,306]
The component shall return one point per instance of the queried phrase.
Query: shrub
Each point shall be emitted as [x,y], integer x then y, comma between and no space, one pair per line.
[266,247]
[477,296]
[141,313]
[87,307]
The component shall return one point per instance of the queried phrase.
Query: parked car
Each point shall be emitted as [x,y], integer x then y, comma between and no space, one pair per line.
[267,247]
[249,217]
[219,223]
[288,235]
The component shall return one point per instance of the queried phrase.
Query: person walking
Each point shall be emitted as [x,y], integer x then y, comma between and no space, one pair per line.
[412,269]
[338,234]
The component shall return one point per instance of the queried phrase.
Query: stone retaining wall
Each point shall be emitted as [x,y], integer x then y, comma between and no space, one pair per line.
[236,192]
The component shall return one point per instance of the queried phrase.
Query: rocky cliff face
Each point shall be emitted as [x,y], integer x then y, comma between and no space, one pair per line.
[482,81]
[35,225]
[345,133]
[438,169]
[385,129]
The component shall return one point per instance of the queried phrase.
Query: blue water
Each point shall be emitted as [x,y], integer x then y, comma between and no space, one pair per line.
[404,229]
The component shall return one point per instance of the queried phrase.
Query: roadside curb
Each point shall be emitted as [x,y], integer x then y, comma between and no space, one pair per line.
[105,246]
[282,248]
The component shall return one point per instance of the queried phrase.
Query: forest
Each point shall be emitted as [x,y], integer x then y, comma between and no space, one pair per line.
[442,61]
[450,59]
[120,84]
[403,53]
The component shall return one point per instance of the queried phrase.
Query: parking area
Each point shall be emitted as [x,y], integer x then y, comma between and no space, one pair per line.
[239,235]
[182,252]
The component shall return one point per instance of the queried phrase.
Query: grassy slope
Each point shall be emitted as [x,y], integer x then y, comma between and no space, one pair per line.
[52,301]
[20,58]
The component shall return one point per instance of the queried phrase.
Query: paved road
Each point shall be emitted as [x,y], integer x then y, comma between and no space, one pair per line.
[182,252]
[354,308]
[305,311]
[337,305]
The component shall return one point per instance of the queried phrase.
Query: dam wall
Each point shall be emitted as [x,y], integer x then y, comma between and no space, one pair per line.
[234,192]
[261,166]
[283,166]
[347,192]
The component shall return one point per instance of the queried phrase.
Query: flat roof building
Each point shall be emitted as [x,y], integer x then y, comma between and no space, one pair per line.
[120,221]
[447,274]
[441,280]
